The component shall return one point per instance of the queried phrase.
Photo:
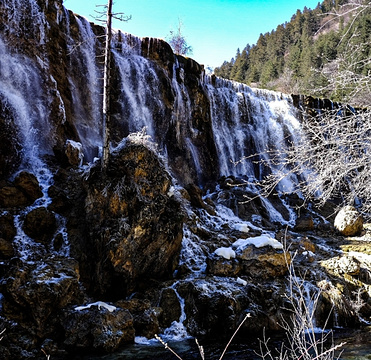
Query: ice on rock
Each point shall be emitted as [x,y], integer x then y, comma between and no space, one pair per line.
[226,252]
[241,281]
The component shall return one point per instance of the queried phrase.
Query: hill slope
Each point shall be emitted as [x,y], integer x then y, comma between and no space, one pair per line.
[311,53]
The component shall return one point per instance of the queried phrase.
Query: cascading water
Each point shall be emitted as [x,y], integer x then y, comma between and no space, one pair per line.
[28,107]
[249,122]
[139,97]
[87,95]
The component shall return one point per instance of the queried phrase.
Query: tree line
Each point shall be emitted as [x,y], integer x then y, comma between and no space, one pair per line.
[306,54]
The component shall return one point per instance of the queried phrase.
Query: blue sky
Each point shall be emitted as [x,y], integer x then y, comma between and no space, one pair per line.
[214,28]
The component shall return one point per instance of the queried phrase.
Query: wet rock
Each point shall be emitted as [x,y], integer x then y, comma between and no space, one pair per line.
[40,224]
[23,192]
[171,310]
[74,154]
[216,308]
[219,266]
[6,249]
[307,245]
[195,195]
[94,329]
[29,185]
[145,317]
[304,223]
[10,146]
[334,308]
[58,242]
[349,221]
[7,228]
[12,197]
[60,201]
[34,293]
[264,262]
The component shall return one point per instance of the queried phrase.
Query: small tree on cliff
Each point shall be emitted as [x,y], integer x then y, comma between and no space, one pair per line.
[178,42]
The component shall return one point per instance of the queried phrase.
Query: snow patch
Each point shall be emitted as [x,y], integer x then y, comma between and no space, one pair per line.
[100,305]
[225,252]
[259,241]
[241,227]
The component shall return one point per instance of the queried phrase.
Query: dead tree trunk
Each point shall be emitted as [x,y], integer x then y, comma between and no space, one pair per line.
[106,88]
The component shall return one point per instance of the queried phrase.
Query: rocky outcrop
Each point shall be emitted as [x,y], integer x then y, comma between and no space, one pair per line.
[134,222]
[259,263]
[10,145]
[205,298]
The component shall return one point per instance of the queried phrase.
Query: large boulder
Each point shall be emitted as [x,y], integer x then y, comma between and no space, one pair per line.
[29,185]
[348,221]
[74,153]
[7,228]
[260,257]
[99,328]
[23,192]
[214,308]
[40,224]
[11,197]
[135,222]
[35,293]
[145,317]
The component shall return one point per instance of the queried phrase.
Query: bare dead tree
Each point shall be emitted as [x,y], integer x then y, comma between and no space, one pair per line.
[303,340]
[107,77]
[107,87]
[330,159]
[349,76]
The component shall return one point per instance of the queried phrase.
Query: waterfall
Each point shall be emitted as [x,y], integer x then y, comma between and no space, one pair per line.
[139,98]
[85,58]
[22,97]
[248,122]
[177,331]
[244,121]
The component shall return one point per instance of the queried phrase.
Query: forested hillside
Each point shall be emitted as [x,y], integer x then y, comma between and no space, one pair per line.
[314,53]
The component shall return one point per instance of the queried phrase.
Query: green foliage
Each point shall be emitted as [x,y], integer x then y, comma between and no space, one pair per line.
[300,55]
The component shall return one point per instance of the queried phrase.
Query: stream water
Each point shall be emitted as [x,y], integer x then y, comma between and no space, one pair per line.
[357,347]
